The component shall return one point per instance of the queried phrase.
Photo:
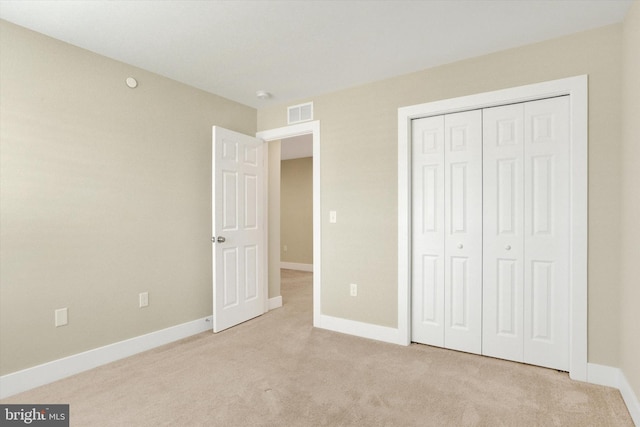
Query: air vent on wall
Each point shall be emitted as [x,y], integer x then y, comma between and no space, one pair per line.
[300,113]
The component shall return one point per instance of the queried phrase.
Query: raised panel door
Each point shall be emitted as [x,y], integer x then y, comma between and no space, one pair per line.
[239,256]
[503,222]
[547,230]
[463,231]
[428,231]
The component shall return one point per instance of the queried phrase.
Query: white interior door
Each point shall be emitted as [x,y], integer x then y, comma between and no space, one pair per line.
[526,232]
[239,228]
[503,226]
[553,275]
[490,231]
[463,231]
[447,231]
[427,236]
[547,229]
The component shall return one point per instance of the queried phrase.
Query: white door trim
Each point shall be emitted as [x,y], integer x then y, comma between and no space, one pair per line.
[577,88]
[288,132]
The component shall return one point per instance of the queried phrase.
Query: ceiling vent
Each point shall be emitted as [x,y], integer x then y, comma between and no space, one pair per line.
[300,113]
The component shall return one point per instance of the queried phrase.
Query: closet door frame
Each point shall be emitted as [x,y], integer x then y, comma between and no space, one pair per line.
[577,89]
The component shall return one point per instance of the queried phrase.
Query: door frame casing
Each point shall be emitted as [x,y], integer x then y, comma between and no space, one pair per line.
[577,89]
[313,128]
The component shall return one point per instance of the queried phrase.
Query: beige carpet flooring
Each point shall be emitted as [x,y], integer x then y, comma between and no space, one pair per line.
[278,370]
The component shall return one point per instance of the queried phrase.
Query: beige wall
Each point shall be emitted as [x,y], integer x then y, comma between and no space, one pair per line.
[105,193]
[274,218]
[630,157]
[296,210]
[358,155]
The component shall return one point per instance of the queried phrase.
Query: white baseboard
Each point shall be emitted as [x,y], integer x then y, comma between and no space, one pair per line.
[614,377]
[296,266]
[275,302]
[49,372]
[603,375]
[630,399]
[360,329]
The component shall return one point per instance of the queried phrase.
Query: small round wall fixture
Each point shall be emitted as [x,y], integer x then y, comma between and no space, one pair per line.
[131,82]
[263,94]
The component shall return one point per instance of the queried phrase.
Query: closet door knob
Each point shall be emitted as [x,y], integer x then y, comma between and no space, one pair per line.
[508,247]
[460,246]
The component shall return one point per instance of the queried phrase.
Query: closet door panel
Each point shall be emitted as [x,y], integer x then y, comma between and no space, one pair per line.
[428,231]
[503,211]
[547,228]
[463,231]
[490,231]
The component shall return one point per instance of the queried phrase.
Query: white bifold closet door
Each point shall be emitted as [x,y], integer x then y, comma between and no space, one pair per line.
[526,232]
[447,231]
[490,231]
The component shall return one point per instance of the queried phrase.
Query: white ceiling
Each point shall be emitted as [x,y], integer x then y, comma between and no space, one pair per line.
[299,49]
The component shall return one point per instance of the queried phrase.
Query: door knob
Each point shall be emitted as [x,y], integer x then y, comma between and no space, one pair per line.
[220,239]
[460,246]
[508,247]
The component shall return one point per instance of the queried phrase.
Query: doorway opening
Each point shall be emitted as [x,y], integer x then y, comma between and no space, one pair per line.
[296,203]
[296,222]
[292,136]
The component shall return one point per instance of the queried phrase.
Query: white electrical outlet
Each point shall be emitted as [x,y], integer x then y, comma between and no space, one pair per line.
[143,299]
[333,217]
[354,290]
[62,316]
[286,248]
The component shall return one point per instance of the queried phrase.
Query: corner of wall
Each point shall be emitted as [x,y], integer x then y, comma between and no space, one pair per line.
[630,206]
[614,377]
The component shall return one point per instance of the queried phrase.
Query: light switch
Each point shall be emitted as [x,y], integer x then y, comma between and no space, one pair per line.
[333,217]
[143,299]
[62,317]
[353,290]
